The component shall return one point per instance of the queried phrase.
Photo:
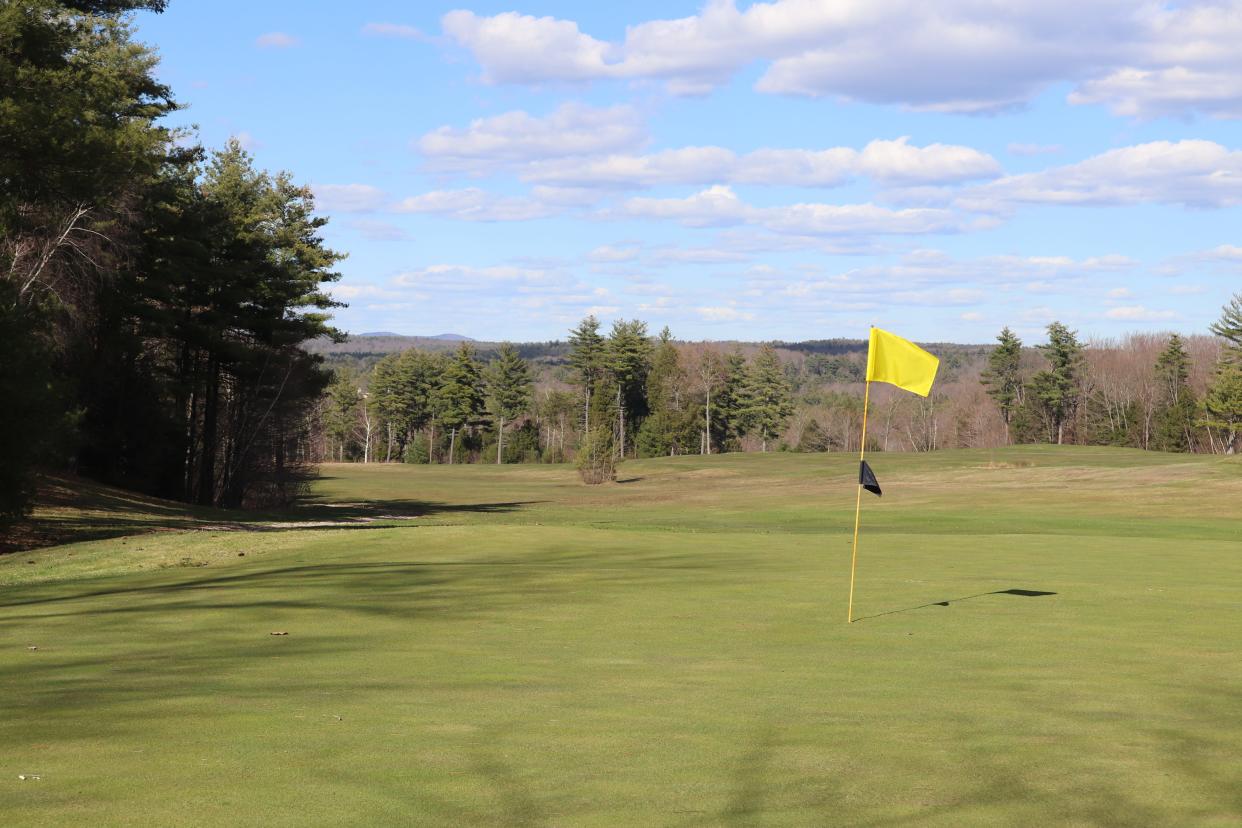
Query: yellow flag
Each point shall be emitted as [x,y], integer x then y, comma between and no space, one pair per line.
[900,362]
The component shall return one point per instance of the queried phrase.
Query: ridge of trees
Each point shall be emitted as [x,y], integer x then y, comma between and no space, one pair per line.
[601,398]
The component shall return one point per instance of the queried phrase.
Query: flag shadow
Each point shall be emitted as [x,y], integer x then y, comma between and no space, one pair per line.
[1025,593]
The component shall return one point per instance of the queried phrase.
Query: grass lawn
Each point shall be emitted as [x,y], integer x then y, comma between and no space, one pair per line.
[503,646]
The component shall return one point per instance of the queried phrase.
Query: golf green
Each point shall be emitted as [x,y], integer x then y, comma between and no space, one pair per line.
[1045,636]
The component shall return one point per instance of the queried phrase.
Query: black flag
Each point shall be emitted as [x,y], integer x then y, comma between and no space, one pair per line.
[866,479]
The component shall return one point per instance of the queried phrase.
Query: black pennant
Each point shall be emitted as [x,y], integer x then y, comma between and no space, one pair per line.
[866,479]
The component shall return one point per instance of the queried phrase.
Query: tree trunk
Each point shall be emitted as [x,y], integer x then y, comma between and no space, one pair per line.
[707,416]
[500,440]
[388,454]
[211,410]
[452,445]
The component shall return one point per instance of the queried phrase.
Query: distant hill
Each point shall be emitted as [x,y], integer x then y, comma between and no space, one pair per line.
[452,337]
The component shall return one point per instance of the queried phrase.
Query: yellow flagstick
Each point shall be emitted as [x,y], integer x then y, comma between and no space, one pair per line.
[862,455]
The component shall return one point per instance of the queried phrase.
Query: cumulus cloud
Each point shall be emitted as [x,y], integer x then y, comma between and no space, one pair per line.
[571,130]
[348,198]
[1141,59]
[1194,173]
[719,206]
[890,162]
[1138,313]
[473,204]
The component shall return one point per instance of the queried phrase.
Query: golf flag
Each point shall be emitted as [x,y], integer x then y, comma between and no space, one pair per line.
[866,479]
[900,362]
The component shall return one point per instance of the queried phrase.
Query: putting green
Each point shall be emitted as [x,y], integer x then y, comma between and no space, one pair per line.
[503,646]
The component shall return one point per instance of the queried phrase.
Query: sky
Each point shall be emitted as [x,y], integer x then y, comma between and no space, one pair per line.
[796,169]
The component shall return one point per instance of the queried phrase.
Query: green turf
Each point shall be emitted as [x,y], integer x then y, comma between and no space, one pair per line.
[502,646]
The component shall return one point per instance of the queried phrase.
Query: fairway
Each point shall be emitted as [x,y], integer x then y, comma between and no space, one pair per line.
[1047,636]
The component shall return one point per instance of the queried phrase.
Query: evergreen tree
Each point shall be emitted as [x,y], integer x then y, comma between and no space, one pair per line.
[710,375]
[733,403]
[665,430]
[508,391]
[1176,408]
[1003,377]
[586,355]
[1223,403]
[628,361]
[1057,390]
[1229,327]
[342,405]
[459,397]
[769,403]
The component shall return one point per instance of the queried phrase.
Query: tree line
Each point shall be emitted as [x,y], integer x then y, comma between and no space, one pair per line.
[1137,394]
[602,397]
[621,394]
[154,296]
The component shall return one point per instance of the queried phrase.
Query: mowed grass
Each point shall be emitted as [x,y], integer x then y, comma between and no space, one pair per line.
[503,646]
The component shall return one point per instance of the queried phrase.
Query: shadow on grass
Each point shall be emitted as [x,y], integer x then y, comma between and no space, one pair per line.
[73,510]
[1025,593]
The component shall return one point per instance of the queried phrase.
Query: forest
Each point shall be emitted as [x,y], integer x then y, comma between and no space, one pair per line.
[155,293]
[628,394]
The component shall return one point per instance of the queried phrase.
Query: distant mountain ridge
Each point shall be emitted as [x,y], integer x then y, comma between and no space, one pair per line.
[447,337]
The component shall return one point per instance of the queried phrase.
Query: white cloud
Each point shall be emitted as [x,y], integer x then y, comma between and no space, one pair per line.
[1138,313]
[348,198]
[1195,173]
[573,150]
[473,204]
[276,40]
[1141,59]
[458,278]
[400,30]
[516,137]
[247,141]
[1120,293]
[719,206]
[518,48]
[714,207]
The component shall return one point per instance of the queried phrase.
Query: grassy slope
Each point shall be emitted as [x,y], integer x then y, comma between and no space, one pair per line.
[670,650]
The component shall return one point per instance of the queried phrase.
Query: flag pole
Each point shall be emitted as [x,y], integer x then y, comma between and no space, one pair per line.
[862,456]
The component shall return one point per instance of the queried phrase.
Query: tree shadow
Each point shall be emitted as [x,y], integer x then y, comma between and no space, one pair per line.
[1025,593]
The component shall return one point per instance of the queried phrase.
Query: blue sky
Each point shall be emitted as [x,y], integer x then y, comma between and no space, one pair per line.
[787,170]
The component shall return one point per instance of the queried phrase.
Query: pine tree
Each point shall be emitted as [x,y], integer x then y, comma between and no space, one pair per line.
[586,355]
[1223,403]
[508,391]
[1004,378]
[664,430]
[459,397]
[769,403]
[628,358]
[1057,390]
[1229,327]
[1176,407]
[732,418]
